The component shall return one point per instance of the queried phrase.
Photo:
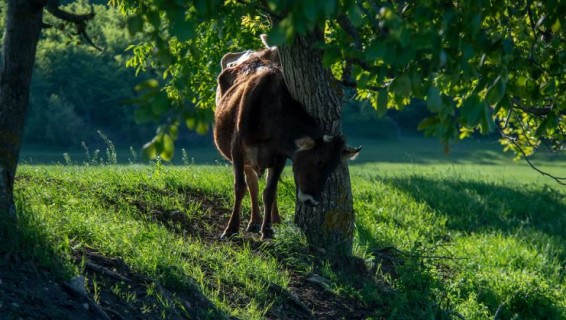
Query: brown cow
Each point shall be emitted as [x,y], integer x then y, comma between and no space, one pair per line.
[258,126]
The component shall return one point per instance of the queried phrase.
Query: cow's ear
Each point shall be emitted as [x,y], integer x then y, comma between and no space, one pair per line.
[351,153]
[305,143]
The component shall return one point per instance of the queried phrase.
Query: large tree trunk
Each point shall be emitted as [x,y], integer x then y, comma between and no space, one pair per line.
[330,225]
[23,27]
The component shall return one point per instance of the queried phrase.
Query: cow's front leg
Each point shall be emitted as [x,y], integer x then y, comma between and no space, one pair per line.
[239,190]
[269,195]
[252,182]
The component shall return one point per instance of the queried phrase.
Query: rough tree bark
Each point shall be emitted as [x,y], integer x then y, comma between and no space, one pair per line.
[23,28]
[330,225]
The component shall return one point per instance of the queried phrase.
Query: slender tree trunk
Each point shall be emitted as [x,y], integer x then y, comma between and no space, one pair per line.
[330,225]
[23,27]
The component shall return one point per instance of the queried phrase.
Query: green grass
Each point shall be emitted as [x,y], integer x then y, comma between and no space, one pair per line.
[502,232]
[440,240]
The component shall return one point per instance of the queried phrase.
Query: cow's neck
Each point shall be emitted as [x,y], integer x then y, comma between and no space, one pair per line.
[298,129]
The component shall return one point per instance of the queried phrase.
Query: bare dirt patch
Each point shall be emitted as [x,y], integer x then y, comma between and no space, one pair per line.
[27,292]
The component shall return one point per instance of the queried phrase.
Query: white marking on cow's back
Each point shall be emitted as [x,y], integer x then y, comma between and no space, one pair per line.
[303,197]
[262,69]
[241,59]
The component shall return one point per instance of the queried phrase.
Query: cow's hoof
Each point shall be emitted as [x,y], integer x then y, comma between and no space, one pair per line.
[227,235]
[255,227]
[267,234]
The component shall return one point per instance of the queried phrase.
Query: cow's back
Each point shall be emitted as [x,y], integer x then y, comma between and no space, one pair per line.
[248,108]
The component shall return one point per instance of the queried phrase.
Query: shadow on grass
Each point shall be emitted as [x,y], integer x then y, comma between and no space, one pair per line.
[38,280]
[475,206]
[33,272]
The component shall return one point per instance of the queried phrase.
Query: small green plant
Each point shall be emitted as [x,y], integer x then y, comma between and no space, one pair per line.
[111,156]
[133,156]
[68,160]
[96,290]
[96,159]
[156,166]
[91,159]
[87,152]
[185,157]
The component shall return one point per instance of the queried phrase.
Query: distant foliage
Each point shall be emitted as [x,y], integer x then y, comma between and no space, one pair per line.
[78,90]
[56,122]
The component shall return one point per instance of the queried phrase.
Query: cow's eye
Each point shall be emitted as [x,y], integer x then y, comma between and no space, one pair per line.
[318,163]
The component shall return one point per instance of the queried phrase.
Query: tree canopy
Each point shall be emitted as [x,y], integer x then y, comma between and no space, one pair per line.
[480,66]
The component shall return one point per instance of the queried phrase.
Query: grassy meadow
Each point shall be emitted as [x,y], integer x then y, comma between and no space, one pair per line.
[470,235]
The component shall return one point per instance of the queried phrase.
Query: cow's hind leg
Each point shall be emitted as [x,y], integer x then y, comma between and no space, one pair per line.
[275,218]
[252,182]
[239,191]
[269,195]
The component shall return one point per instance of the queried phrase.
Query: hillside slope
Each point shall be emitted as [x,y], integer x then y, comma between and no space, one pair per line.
[445,243]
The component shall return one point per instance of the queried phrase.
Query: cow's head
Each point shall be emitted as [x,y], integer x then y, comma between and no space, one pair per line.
[313,162]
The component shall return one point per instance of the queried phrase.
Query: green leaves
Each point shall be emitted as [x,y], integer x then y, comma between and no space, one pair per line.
[179,26]
[382,100]
[471,110]
[470,63]
[331,55]
[496,91]
[548,124]
[198,123]
[135,24]
[160,103]
[152,101]
[475,112]
[162,146]
[402,85]
[433,99]
[377,49]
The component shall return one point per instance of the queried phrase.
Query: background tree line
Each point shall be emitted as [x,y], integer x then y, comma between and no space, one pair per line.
[78,89]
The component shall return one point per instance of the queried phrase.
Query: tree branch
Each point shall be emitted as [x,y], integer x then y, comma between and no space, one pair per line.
[524,131]
[347,72]
[354,84]
[80,20]
[372,20]
[531,16]
[53,8]
[350,30]
[559,180]
[364,65]
[535,111]
[263,8]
